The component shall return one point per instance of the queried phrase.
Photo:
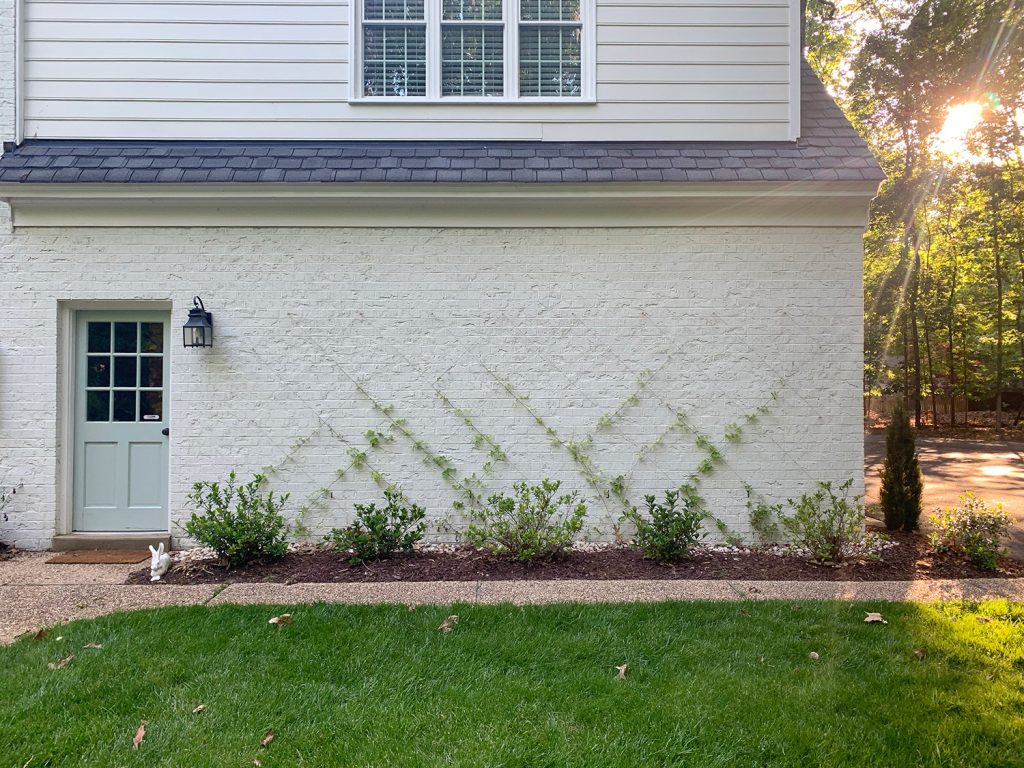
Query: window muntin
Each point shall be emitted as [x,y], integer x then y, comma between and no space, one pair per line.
[472,48]
[394,48]
[124,371]
[503,50]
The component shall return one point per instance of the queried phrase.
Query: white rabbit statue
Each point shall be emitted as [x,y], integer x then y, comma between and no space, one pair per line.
[160,564]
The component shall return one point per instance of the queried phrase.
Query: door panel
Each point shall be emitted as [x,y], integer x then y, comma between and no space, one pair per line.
[121,375]
[145,460]
[100,475]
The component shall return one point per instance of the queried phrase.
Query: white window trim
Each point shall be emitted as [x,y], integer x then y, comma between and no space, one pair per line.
[510,11]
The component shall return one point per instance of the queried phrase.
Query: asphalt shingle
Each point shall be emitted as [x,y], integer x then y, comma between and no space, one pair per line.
[829,149]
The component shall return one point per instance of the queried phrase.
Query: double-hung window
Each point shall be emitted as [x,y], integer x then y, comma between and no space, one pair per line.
[506,50]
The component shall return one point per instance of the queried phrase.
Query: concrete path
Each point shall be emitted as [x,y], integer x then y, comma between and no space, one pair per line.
[35,595]
[950,466]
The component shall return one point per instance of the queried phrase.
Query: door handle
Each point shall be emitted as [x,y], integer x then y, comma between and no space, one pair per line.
[165,431]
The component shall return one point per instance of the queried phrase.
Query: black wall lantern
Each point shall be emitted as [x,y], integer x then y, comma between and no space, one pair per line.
[199,328]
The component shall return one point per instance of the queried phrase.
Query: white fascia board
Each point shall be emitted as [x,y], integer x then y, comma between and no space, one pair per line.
[455,205]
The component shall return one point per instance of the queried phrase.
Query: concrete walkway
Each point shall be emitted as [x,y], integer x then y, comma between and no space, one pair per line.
[35,595]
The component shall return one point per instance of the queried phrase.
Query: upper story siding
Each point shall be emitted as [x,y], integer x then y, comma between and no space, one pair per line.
[666,70]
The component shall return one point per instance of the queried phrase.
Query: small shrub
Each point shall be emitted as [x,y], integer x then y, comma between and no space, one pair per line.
[669,530]
[238,522]
[900,494]
[531,524]
[827,523]
[377,533]
[764,517]
[973,530]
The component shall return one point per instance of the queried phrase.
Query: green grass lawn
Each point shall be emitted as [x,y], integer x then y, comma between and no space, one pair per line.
[708,684]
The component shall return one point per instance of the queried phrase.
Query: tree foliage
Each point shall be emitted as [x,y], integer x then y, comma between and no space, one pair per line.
[901,476]
[944,255]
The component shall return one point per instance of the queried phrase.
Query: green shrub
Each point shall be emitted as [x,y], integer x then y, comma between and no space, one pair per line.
[900,494]
[377,533]
[827,524]
[238,522]
[669,530]
[764,517]
[973,530]
[530,525]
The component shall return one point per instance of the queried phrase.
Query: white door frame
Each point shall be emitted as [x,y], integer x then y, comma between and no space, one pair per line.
[67,318]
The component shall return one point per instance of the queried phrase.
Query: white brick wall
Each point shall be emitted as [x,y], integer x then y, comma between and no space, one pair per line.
[572,317]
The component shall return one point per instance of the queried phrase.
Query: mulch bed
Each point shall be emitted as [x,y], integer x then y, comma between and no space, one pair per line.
[910,559]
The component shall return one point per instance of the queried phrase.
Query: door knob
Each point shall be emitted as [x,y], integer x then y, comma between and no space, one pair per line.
[165,431]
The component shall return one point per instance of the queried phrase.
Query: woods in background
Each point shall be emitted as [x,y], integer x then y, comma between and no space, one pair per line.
[937,89]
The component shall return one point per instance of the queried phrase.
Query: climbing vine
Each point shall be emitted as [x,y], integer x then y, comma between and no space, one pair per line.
[472,487]
[443,463]
[479,439]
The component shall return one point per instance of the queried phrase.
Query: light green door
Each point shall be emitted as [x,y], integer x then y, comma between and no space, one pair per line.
[122,374]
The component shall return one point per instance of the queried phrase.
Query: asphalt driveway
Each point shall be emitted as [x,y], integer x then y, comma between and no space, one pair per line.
[993,470]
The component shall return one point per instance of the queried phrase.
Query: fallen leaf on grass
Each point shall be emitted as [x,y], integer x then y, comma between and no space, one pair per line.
[256,762]
[874,618]
[411,606]
[267,738]
[93,645]
[58,638]
[41,634]
[284,618]
[921,653]
[622,671]
[61,663]
[813,655]
[983,619]
[449,624]
[139,735]
[198,709]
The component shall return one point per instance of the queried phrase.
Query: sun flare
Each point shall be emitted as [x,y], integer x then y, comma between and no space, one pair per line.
[961,119]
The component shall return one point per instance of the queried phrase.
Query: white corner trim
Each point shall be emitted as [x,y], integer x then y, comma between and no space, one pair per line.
[795,64]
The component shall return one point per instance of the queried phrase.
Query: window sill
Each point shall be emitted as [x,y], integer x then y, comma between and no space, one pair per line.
[456,101]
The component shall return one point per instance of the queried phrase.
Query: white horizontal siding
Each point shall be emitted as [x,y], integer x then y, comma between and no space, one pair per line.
[271,69]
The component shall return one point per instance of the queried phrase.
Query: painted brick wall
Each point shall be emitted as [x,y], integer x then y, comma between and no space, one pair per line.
[721,318]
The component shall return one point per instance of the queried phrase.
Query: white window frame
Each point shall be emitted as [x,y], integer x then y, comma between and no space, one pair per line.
[510,15]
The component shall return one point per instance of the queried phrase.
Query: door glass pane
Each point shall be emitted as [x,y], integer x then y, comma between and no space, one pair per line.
[97,406]
[124,371]
[99,372]
[125,337]
[152,337]
[99,337]
[124,406]
[152,372]
[151,406]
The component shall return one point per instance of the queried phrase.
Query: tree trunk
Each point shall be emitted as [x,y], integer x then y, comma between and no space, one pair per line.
[952,337]
[931,370]
[997,257]
[915,334]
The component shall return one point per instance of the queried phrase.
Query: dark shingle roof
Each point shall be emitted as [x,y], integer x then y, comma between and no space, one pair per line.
[829,150]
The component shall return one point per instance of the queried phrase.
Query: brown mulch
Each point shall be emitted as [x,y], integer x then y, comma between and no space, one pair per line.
[910,559]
